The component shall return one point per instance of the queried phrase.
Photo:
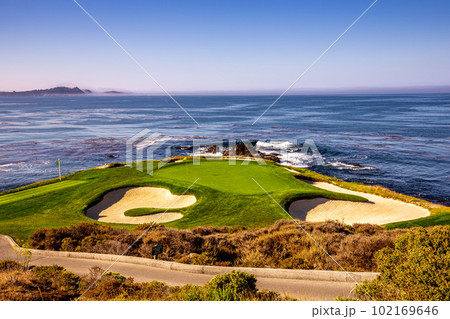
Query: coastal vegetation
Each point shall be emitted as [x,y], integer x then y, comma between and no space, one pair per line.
[416,268]
[54,283]
[281,245]
[413,264]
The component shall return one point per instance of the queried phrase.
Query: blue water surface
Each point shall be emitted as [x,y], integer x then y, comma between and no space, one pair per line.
[397,141]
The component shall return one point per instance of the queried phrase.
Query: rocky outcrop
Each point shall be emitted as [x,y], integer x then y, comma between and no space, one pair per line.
[241,150]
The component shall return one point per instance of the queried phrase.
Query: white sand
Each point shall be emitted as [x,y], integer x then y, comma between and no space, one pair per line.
[114,204]
[378,210]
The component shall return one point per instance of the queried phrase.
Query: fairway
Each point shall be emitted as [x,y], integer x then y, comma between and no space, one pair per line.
[37,191]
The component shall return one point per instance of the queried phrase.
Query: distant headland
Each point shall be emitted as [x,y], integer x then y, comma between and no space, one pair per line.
[60,90]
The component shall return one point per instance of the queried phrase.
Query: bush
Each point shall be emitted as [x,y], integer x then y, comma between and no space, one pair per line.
[417,268]
[231,286]
[204,258]
[69,244]
[294,263]
[56,283]
[9,265]
[114,275]
[57,277]
[282,245]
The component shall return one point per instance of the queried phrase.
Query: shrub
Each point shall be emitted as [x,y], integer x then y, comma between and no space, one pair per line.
[56,283]
[417,268]
[110,247]
[89,242]
[9,265]
[37,238]
[204,258]
[69,244]
[282,245]
[188,293]
[231,286]
[294,263]
[47,271]
[114,275]
[57,277]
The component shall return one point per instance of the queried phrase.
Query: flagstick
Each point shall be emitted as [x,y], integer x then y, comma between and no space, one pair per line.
[59,166]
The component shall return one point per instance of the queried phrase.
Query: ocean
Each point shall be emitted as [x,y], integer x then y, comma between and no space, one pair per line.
[397,141]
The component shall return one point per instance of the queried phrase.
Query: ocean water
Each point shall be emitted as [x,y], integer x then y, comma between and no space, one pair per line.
[397,141]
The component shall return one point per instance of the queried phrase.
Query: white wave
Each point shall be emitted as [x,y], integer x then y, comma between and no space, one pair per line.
[274,145]
[202,151]
[11,164]
[298,159]
[355,167]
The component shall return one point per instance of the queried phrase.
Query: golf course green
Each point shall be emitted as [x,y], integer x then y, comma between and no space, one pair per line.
[226,195]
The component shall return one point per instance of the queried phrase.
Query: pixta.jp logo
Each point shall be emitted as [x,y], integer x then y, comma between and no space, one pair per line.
[147,145]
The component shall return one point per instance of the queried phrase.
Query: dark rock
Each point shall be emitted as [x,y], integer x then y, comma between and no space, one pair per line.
[212,149]
[353,164]
[271,157]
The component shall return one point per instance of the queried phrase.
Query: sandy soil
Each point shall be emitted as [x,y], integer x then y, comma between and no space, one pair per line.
[114,204]
[378,210]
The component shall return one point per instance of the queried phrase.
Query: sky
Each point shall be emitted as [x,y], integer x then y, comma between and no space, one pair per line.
[206,45]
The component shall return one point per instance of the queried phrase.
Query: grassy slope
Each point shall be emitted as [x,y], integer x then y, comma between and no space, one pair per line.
[226,195]
[439,215]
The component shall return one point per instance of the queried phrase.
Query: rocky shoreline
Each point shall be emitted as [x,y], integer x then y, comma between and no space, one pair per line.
[241,149]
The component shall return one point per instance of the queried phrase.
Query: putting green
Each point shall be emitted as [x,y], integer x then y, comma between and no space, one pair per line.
[236,179]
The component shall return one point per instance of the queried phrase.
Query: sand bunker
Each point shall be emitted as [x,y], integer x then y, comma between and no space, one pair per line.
[114,204]
[378,210]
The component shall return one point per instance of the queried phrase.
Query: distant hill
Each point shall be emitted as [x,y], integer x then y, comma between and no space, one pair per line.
[60,90]
[113,92]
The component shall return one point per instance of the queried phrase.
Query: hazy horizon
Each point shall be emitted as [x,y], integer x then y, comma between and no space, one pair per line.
[205,47]
[272,92]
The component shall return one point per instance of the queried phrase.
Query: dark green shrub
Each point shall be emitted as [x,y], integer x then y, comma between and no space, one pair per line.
[417,268]
[114,275]
[188,293]
[89,242]
[204,258]
[231,286]
[57,277]
[268,295]
[47,271]
[69,244]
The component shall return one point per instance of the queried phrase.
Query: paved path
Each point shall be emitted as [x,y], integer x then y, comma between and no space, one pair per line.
[302,289]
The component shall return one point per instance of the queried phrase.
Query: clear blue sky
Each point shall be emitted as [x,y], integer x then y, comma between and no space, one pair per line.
[206,45]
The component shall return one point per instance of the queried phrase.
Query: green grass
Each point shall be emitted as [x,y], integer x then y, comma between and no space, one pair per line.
[34,192]
[147,211]
[437,217]
[233,179]
[226,195]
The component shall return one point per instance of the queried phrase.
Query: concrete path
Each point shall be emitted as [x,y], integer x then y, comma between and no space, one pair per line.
[301,289]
